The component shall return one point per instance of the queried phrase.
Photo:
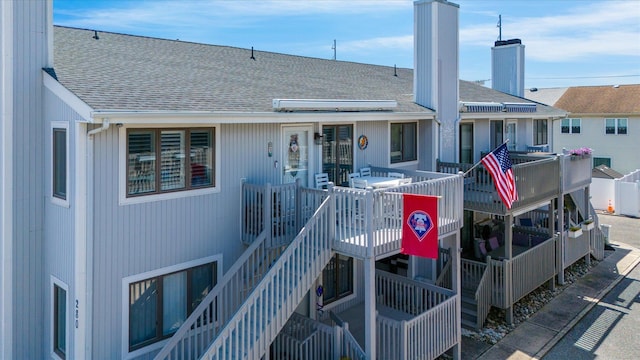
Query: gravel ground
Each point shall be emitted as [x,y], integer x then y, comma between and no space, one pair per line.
[495,327]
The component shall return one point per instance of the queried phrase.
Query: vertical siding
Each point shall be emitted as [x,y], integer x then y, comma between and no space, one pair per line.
[30,54]
[137,238]
[436,68]
[58,238]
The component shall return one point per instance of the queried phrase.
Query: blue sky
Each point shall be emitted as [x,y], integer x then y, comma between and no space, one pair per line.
[567,42]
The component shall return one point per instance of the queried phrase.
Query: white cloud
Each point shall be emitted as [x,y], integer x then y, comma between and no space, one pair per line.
[601,29]
[129,15]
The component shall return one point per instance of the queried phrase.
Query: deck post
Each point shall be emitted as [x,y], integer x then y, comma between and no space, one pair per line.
[267,217]
[369,282]
[454,253]
[585,216]
[298,205]
[551,226]
[508,280]
[561,238]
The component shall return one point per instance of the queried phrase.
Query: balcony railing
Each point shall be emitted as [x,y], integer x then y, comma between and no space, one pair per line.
[536,180]
[576,172]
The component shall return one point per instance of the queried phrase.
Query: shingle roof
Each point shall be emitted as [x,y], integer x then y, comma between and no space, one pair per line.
[547,96]
[605,172]
[136,73]
[622,99]
[124,72]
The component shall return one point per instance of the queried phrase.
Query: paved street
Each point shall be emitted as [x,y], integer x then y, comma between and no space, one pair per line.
[611,329]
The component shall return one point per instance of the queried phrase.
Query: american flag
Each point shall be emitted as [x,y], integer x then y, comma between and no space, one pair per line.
[499,165]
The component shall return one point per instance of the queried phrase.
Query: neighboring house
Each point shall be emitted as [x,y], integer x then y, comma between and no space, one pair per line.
[604,118]
[158,196]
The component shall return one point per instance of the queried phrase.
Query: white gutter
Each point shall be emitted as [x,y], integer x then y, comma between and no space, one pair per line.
[222,117]
[6,179]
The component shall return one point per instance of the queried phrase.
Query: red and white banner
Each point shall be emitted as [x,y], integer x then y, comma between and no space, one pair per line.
[420,226]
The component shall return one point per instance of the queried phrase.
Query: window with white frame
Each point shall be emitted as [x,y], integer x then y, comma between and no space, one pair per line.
[337,279]
[158,305]
[615,126]
[59,328]
[169,160]
[540,132]
[570,126]
[59,161]
[404,142]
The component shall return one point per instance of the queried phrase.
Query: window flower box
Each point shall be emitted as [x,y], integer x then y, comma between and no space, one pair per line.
[588,225]
[575,232]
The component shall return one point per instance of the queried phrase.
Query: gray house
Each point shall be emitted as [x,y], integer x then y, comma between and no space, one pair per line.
[159,197]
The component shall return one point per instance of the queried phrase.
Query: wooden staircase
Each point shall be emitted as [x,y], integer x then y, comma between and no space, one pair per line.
[469,309]
[239,319]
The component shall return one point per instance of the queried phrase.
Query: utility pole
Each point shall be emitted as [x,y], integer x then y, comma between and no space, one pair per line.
[334,49]
[499,27]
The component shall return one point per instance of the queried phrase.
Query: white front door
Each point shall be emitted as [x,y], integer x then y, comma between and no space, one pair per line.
[511,135]
[296,154]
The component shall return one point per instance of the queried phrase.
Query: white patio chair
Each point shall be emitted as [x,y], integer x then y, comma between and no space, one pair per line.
[351,177]
[365,171]
[322,180]
[396,175]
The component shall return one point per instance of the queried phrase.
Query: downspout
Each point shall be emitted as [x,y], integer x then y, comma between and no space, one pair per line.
[83,311]
[105,126]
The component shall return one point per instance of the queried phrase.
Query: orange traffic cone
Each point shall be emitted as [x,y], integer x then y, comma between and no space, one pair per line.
[610,207]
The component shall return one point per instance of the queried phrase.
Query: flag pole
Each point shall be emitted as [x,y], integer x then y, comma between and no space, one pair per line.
[478,163]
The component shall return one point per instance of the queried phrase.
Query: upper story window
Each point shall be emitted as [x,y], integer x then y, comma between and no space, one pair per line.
[404,142]
[615,126]
[160,303]
[168,160]
[571,126]
[59,162]
[540,132]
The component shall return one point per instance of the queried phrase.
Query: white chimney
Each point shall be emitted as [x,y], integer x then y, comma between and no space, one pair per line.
[435,75]
[507,67]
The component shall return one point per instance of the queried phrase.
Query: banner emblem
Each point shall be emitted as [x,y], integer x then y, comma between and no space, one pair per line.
[420,222]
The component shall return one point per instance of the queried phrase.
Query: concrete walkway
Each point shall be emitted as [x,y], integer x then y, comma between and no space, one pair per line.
[535,337]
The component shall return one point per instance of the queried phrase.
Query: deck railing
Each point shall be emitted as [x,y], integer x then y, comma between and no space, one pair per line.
[483,298]
[500,279]
[346,345]
[426,336]
[261,317]
[406,295]
[304,338]
[576,172]
[532,268]
[575,248]
[471,273]
[361,213]
[288,206]
[532,182]
[203,325]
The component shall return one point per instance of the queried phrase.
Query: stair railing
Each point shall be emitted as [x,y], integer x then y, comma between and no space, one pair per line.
[249,333]
[203,325]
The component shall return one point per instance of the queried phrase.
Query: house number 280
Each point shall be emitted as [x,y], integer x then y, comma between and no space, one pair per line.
[77,312]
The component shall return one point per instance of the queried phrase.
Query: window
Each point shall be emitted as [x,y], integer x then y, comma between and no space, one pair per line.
[337,279]
[570,126]
[167,160]
[160,304]
[59,161]
[540,132]
[466,143]
[615,126]
[59,320]
[404,140]
[497,133]
[597,161]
